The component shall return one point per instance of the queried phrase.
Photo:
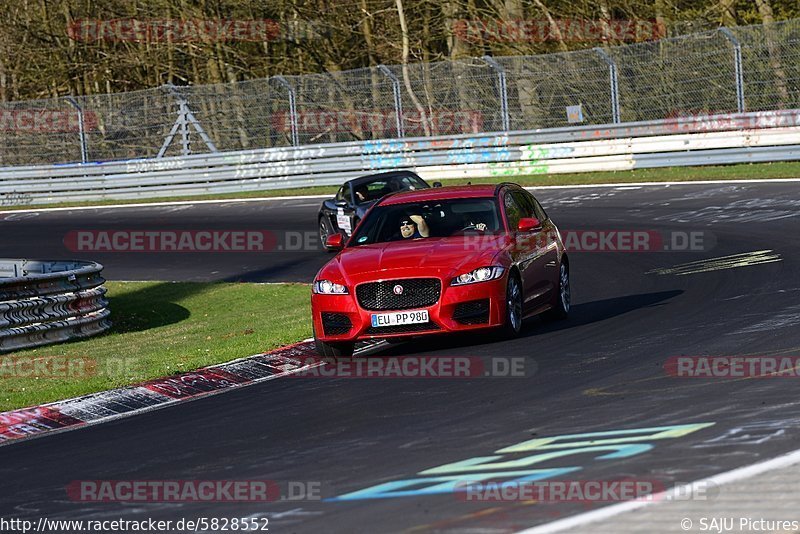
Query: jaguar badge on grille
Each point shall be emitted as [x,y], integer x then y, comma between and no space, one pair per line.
[398,289]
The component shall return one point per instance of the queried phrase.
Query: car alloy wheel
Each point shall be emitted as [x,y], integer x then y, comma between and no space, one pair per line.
[514,304]
[564,291]
[323,231]
[561,302]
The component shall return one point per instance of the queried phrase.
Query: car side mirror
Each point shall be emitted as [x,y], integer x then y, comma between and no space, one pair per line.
[529,224]
[335,241]
[437,184]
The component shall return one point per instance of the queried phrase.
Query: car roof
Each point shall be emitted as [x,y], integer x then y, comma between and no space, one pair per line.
[380,176]
[442,193]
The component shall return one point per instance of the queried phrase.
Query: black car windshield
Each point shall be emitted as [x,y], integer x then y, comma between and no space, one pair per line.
[420,220]
[371,191]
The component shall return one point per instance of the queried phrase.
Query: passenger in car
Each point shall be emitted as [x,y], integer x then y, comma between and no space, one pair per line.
[362,194]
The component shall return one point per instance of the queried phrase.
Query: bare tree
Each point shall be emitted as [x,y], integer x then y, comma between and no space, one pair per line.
[406,77]
[553,25]
[768,20]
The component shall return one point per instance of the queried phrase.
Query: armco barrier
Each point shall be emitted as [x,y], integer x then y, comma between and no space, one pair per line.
[43,302]
[696,140]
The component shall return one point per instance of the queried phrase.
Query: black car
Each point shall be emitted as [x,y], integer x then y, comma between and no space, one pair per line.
[343,212]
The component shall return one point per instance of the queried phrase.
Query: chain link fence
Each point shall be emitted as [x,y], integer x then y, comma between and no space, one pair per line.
[752,68]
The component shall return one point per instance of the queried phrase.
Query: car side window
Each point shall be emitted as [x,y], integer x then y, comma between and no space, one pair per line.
[539,210]
[409,182]
[340,194]
[514,211]
[524,202]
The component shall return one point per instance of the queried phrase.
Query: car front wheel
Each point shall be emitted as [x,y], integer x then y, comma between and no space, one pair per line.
[325,229]
[563,301]
[513,320]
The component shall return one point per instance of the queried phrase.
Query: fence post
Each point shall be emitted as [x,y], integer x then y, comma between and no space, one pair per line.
[737,66]
[184,127]
[501,77]
[283,82]
[612,74]
[398,102]
[81,130]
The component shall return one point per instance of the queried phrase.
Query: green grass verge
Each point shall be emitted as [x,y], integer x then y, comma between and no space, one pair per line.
[163,328]
[746,171]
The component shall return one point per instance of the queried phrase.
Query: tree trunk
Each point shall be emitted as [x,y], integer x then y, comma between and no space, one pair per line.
[456,44]
[3,75]
[377,127]
[768,20]
[406,78]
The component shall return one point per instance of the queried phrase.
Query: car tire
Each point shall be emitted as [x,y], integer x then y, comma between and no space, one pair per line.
[514,299]
[325,229]
[563,300]
[334,350]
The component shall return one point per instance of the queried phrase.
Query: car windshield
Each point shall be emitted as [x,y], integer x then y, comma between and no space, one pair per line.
[420,220]
[372,191]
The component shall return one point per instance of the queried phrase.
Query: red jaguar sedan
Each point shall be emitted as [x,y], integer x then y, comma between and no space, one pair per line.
[444,260]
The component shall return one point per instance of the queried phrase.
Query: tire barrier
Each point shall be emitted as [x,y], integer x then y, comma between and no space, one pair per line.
[44,302]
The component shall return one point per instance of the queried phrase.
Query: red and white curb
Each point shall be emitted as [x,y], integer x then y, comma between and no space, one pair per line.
[95,408]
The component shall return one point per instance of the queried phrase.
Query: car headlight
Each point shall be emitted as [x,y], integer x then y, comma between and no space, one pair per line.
[481,274]
[326,287]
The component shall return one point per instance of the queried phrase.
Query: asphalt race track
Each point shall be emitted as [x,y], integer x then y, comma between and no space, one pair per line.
[602,370]
[293,254]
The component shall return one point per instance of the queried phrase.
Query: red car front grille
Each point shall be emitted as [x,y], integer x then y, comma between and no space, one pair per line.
[399,294]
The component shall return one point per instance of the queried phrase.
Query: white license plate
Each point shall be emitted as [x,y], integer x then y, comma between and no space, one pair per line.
[397,318]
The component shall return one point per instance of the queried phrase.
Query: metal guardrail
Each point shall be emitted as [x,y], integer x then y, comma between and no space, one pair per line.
[697,140]
[43,302]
